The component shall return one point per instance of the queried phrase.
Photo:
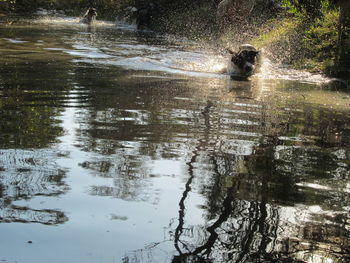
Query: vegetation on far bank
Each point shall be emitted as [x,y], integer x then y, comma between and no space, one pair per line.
[307,34]
[308,45]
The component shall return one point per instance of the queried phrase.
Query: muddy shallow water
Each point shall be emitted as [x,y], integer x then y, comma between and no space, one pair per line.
[126,146]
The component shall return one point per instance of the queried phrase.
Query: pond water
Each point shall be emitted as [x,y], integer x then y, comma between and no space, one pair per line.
[125,146]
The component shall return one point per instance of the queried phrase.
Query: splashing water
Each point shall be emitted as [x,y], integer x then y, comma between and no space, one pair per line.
[191,59]
[272,70]
[69,21]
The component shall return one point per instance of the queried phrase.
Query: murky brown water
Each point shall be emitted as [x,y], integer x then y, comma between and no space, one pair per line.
[123,146]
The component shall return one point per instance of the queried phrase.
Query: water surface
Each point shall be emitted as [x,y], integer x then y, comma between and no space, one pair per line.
[124,146]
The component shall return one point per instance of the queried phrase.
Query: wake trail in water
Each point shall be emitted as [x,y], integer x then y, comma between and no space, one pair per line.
[174,55]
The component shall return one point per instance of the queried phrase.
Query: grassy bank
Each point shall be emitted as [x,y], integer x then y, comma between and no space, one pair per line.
[304,44]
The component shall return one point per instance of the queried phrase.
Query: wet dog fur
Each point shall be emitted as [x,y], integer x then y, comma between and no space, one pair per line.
[90,16]
[244,63]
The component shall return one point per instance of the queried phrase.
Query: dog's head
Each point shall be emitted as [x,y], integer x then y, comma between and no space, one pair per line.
[244,62]
[90,16]
[92,12]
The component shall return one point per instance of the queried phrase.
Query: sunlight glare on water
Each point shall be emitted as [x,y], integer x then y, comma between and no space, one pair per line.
[200,62]
[69,21]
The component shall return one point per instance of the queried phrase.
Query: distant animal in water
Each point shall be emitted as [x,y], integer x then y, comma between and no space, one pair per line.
[142,16]
[146,15]
[129,15]
[90,16]
[243,63]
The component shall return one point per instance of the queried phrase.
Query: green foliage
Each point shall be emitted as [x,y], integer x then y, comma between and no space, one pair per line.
[307,43]
[320,42]
[306,8]
[287,4]
[275,31]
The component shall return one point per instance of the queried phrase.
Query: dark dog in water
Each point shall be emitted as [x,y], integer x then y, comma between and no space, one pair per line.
[243,63]
[142,16]
[90,16]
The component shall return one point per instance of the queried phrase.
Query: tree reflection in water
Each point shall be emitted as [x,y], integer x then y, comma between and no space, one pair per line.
[272,171]
[31,101]
[25,174]
[274,175]
[256,231]
[241,230]
[264,206]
